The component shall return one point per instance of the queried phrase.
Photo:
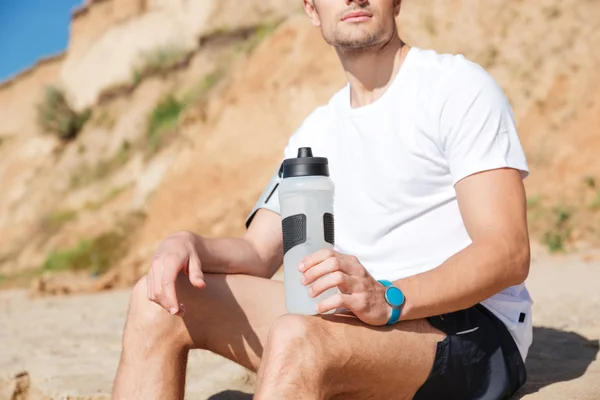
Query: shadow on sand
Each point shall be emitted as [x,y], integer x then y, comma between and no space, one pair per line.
[556,356]
[231,395]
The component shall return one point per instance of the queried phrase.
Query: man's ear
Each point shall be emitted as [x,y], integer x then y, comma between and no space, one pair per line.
[397,5]
[311,11]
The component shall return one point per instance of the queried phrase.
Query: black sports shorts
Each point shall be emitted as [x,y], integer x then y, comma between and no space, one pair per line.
[477,360]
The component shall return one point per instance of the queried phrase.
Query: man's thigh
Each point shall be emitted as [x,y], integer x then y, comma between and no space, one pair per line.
[369,362]
[232,315]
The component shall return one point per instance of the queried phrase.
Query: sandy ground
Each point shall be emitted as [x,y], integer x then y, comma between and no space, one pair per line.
[70,346]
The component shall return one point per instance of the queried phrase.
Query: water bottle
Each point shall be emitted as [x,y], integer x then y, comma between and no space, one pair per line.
[306,204]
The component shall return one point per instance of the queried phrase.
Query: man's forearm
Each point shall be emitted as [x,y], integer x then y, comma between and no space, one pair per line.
[481,270]
[229,256]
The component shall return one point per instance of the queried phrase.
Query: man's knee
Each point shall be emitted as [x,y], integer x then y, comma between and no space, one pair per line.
[297,357]
[298,337]
[148,323]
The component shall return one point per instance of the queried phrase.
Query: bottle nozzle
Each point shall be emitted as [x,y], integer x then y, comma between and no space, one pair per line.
[304,152]
[305,165]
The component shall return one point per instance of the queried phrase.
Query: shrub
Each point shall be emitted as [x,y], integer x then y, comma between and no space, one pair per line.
[159,61]
[54,222]
[95,255]
[163,118]
[533,201]
[560,233]
[87,174]
[595,204]
[17,279]
[123,154]
[489,57]
[258,35]
[56,116]
[552,12]
[60,217]
[590,181]
[104,119]
[106,198]
[205,85]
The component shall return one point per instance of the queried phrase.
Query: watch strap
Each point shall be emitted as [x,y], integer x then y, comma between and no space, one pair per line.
[394,317]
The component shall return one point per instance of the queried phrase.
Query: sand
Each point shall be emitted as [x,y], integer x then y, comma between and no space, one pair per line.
[69,346]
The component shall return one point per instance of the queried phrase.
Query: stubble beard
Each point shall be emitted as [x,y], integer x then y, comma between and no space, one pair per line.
[349,42]
[353,45]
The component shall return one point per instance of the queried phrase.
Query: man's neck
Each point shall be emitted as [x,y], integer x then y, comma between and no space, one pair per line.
[370,72]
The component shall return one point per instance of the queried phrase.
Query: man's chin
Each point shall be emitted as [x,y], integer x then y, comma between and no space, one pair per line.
[355,37]
[355,44]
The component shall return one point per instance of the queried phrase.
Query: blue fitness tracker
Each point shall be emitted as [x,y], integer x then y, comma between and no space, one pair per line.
[395,298]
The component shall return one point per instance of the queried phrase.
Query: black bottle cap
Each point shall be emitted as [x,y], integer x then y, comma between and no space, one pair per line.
[305,165]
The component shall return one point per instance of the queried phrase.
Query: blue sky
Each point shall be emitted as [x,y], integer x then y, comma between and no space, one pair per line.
[31,29]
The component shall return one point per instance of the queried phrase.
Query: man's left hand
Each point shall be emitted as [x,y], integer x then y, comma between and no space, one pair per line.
[359,291]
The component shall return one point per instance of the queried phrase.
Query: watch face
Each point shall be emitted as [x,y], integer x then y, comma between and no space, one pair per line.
[394,296]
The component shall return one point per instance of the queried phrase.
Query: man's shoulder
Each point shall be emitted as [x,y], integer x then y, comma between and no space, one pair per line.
[319,116]
[314,127]
[324,115]
[450,71]
[452,79]
[432,61]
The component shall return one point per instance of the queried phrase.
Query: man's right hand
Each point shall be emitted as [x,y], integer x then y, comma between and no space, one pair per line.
[175,254]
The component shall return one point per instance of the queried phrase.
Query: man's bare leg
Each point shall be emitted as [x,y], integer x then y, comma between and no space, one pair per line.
[231,317]
[237,316]
[340,357]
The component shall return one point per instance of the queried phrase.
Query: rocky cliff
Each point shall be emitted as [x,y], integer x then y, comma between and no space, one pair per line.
[252,72]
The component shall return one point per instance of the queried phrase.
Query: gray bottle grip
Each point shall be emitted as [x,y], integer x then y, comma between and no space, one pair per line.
[328,228]
[294,231]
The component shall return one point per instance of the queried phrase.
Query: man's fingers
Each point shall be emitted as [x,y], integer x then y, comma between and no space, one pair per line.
[328,266]
[151,294]
[155,275]
[315,258]
[334,280]
[336,301]
[148,286]
[195,270]
[169,300]
[163,282]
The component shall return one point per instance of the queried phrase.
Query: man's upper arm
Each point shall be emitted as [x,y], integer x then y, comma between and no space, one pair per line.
[494,201]
[493,208]
[264,234]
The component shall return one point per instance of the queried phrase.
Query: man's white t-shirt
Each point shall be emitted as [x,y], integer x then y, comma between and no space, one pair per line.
[395,162]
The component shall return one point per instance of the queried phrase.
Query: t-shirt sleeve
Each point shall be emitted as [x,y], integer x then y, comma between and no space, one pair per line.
[476,125]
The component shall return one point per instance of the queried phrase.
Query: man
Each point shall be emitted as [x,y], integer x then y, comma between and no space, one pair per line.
[428,171]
